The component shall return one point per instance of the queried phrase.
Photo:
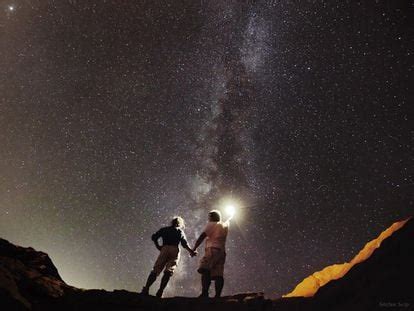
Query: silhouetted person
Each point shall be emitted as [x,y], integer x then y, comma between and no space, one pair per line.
[169,255]
[212,264]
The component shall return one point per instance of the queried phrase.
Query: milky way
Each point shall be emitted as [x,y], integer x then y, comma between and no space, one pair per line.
[117,115]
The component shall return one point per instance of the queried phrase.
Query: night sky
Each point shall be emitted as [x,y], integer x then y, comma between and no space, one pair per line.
[117,115]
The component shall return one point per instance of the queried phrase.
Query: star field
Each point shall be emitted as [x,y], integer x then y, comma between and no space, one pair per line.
[117,115]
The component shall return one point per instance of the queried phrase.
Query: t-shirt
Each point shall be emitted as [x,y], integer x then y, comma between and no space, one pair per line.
[171,236]
[216,234]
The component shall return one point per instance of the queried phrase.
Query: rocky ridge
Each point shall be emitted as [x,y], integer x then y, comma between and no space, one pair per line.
[30,281]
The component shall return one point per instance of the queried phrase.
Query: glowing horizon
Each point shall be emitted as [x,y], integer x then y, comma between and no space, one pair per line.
[310,285]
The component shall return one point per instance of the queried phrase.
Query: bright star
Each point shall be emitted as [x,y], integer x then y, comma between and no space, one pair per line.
[11,8]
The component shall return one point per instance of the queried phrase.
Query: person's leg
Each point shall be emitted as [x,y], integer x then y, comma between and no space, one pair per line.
[164,281]
[158,267]
[218,284]
[151,279]
[170,266]
[217,272]
[205,283]
[204,270]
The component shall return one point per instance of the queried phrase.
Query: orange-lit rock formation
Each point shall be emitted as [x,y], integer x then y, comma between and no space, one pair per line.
[310,285]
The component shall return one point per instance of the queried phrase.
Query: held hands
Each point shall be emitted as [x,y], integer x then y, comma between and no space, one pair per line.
[193,253]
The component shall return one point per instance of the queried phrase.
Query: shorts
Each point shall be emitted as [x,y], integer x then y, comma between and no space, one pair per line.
[168,259]
[213,261]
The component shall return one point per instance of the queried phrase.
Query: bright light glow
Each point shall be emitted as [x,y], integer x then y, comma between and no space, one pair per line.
[230,207]
[230,210]
[11,8]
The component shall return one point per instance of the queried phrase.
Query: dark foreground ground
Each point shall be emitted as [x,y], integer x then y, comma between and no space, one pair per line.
[385,281]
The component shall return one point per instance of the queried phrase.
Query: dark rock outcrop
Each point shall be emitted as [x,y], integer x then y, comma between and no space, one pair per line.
[27,277]
[30,281]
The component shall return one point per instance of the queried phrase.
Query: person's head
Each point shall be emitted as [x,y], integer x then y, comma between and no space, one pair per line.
[177,222]
[214,215]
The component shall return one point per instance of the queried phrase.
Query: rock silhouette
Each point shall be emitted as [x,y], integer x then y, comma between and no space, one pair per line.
[30,281]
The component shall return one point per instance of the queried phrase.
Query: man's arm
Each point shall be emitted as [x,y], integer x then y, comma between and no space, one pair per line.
[199,240]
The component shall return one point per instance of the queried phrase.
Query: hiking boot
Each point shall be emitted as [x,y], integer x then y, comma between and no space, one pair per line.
[203,295]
